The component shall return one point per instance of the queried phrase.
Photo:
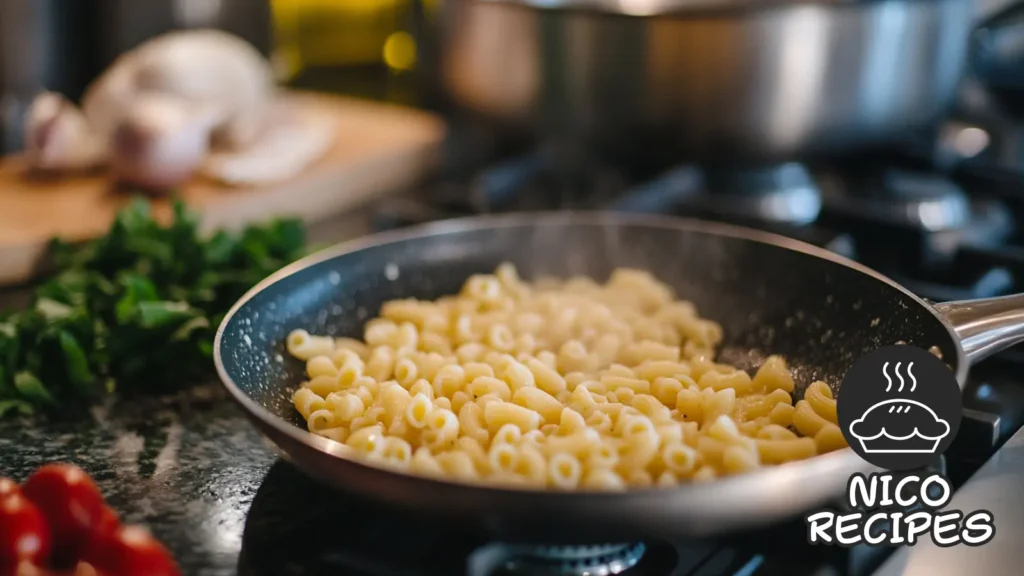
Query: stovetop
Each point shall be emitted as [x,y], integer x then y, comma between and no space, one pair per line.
[947,221]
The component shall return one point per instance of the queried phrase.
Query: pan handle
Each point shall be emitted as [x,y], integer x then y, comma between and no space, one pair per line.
[987,325]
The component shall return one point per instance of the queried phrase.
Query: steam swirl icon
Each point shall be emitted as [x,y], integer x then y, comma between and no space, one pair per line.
[899,425]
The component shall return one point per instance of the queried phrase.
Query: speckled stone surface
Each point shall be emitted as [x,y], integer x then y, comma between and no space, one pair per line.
[188,467]
[199,475]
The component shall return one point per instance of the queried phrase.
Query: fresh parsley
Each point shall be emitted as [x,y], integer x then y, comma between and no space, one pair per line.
[134,311]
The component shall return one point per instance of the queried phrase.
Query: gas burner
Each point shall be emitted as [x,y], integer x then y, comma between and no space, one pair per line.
[913,200]
[514,560]
[784,195]
[780,195]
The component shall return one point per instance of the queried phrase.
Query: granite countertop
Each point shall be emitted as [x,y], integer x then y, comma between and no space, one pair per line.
[186,466]
[194,471]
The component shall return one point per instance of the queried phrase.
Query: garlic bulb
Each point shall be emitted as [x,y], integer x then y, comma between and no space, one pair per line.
[206,66]
[179,102]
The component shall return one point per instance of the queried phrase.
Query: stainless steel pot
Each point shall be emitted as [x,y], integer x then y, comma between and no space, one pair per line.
[759,79]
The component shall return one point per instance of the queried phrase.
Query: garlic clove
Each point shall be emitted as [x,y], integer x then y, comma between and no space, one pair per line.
[162,140]
[57,136]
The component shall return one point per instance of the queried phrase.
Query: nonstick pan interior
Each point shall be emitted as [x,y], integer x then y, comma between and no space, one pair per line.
[770,297]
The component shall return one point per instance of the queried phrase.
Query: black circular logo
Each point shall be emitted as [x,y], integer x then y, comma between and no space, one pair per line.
[899,407]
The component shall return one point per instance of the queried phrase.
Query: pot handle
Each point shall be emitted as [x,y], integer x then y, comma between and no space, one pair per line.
[987,325]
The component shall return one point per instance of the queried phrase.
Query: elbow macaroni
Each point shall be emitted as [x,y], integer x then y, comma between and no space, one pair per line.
[566,385]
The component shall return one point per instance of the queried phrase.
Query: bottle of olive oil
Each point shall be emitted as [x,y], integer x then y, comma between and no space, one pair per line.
[366,48]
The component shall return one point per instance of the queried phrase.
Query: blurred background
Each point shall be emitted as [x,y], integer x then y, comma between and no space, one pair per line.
[367,48]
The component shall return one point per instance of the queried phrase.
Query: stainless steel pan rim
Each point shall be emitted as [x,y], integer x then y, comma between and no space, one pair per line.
[763,487]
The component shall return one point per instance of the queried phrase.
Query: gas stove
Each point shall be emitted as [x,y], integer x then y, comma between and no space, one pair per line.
[945,219]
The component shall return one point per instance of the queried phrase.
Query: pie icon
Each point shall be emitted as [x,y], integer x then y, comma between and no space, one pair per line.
[899,426]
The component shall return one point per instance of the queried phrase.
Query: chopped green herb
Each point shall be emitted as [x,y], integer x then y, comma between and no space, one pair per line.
[134,311]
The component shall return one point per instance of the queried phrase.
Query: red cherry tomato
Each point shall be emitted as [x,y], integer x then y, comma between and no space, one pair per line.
[71,503]
[130,551]
[8,487]
[24,534]
[108,521]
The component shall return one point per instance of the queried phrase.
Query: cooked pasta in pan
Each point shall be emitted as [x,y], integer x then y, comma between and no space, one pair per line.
[560,384]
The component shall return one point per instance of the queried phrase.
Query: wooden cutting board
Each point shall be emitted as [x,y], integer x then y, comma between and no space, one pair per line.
[379,149]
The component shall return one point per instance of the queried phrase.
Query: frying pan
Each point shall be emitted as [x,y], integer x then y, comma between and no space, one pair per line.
[771,294]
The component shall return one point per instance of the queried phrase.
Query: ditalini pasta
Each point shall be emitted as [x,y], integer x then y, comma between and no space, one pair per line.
[559,384]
